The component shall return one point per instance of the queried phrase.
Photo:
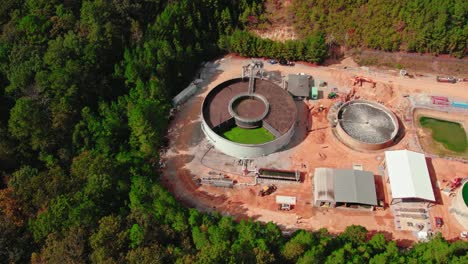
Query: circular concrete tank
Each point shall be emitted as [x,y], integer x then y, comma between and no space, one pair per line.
[366,125]
[229,104]
[459,207]
[249,109]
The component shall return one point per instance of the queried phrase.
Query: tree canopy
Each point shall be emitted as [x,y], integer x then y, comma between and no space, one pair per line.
[424,26]
[85,90]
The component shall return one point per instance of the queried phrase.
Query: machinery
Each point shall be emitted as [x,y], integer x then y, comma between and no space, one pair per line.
[360,79]
[464,234]
[267,189]
[404,73]
[455,183]
[450,79]
[285,62]
[332,95]
[438,221]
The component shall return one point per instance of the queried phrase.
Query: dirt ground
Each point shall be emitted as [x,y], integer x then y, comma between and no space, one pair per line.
[415,63]
[190,156]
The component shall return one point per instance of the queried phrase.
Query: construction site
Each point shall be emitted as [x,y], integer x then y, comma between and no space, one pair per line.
[343,142]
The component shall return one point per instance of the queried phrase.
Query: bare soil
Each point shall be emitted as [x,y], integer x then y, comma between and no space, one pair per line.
[416,64]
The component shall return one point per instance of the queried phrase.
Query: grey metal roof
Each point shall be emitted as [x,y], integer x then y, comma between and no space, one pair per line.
[346,186]
[299,84]
[324,187]
[354,186]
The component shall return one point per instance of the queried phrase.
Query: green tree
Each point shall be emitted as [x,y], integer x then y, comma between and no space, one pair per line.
[71,248]
[109,242]
[28,122]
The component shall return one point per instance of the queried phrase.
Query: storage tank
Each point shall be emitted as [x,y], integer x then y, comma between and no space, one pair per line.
[233,107]
[459,207]
[366,125]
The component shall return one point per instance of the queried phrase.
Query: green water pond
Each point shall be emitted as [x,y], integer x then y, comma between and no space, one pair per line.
[452,135]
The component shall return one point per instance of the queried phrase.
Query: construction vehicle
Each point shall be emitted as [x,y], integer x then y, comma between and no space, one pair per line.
[404,73]
[349,95]
[267,189]
[464,234]
[332,95]
[455,183]
[450,79]
[285,62]
[360,79]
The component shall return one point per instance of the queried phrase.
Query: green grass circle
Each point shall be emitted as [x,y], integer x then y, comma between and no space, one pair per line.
[248,136]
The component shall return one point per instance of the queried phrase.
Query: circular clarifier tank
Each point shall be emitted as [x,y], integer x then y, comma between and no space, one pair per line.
[366,125]
[246,123]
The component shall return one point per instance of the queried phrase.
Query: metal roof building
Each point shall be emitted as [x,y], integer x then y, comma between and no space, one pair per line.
[408,175]
[299,84]
[333,186]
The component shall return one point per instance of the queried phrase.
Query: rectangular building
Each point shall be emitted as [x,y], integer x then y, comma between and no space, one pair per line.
[408,176]
[299,85]
[334,187]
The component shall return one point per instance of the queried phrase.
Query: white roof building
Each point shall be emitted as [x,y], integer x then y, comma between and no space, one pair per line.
[291,200]
[408,175]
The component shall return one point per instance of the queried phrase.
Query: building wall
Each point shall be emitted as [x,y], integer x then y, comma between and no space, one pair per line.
[246,150]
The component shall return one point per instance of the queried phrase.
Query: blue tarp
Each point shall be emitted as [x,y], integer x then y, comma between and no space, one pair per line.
[460,104]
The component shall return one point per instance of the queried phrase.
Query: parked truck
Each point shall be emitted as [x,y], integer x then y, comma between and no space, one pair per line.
[267,189]
[450,79]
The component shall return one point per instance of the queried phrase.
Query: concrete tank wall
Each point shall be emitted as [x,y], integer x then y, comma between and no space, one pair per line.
[357,144]
[354,143]
[459,208]
[246,150]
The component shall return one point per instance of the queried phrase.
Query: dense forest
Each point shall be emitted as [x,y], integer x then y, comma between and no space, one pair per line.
[85,88]
[424,26]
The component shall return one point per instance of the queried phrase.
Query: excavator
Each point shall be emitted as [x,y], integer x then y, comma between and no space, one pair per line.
[360,79]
